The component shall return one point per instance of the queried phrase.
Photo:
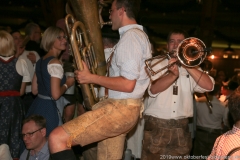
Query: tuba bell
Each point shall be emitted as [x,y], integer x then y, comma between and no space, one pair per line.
[191,52]
[84,30]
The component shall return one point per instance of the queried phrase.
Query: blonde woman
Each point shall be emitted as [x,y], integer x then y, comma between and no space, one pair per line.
[13,78]
[49,81]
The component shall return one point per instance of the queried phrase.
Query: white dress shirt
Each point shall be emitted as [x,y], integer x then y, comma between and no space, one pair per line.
[165,105]
[30,67]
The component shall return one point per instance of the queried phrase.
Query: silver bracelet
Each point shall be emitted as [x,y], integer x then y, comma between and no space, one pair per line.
[66,86]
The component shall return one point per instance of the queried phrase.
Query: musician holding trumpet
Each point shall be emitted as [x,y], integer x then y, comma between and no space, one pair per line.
[170,105]
[112,118]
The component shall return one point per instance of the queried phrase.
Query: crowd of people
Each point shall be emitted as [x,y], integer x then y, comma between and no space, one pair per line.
[147,115]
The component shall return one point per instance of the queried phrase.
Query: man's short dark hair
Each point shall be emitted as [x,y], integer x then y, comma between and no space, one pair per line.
[132,7]
[177,31]
[38,119]
[232,85]
[234,105]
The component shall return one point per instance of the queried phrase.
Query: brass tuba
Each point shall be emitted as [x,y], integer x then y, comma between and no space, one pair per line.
[84,30]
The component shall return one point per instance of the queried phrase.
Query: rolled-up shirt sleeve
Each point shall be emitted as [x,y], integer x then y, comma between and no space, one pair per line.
[150,93]
[22,69]
[197,88]
[159,65]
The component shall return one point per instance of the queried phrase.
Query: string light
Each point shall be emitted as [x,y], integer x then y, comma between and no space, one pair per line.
[212,56]
[225,56]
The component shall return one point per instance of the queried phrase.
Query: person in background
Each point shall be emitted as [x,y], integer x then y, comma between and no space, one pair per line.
[20,42]
[107,123]
[34,137]
[209,122]
[13,77]
[223,93]
[67,60]
[34,34]
[49,82]
[30,57]
[221,77]
[227,89]
[230,140]
[170,104]
[17,38]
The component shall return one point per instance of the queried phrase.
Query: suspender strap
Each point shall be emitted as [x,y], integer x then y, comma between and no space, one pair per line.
[108,65]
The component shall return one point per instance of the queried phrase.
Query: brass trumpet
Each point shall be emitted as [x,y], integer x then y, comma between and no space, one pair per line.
[190,52]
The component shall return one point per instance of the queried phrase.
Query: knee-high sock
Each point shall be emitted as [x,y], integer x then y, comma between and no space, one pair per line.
[64,155]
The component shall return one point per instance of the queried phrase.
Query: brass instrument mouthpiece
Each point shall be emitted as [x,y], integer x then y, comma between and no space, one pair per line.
[107,23]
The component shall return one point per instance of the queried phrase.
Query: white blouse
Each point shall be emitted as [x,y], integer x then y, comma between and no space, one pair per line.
[55,70]
[21,67]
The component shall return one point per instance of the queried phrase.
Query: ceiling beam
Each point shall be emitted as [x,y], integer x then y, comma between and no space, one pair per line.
[53,10]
